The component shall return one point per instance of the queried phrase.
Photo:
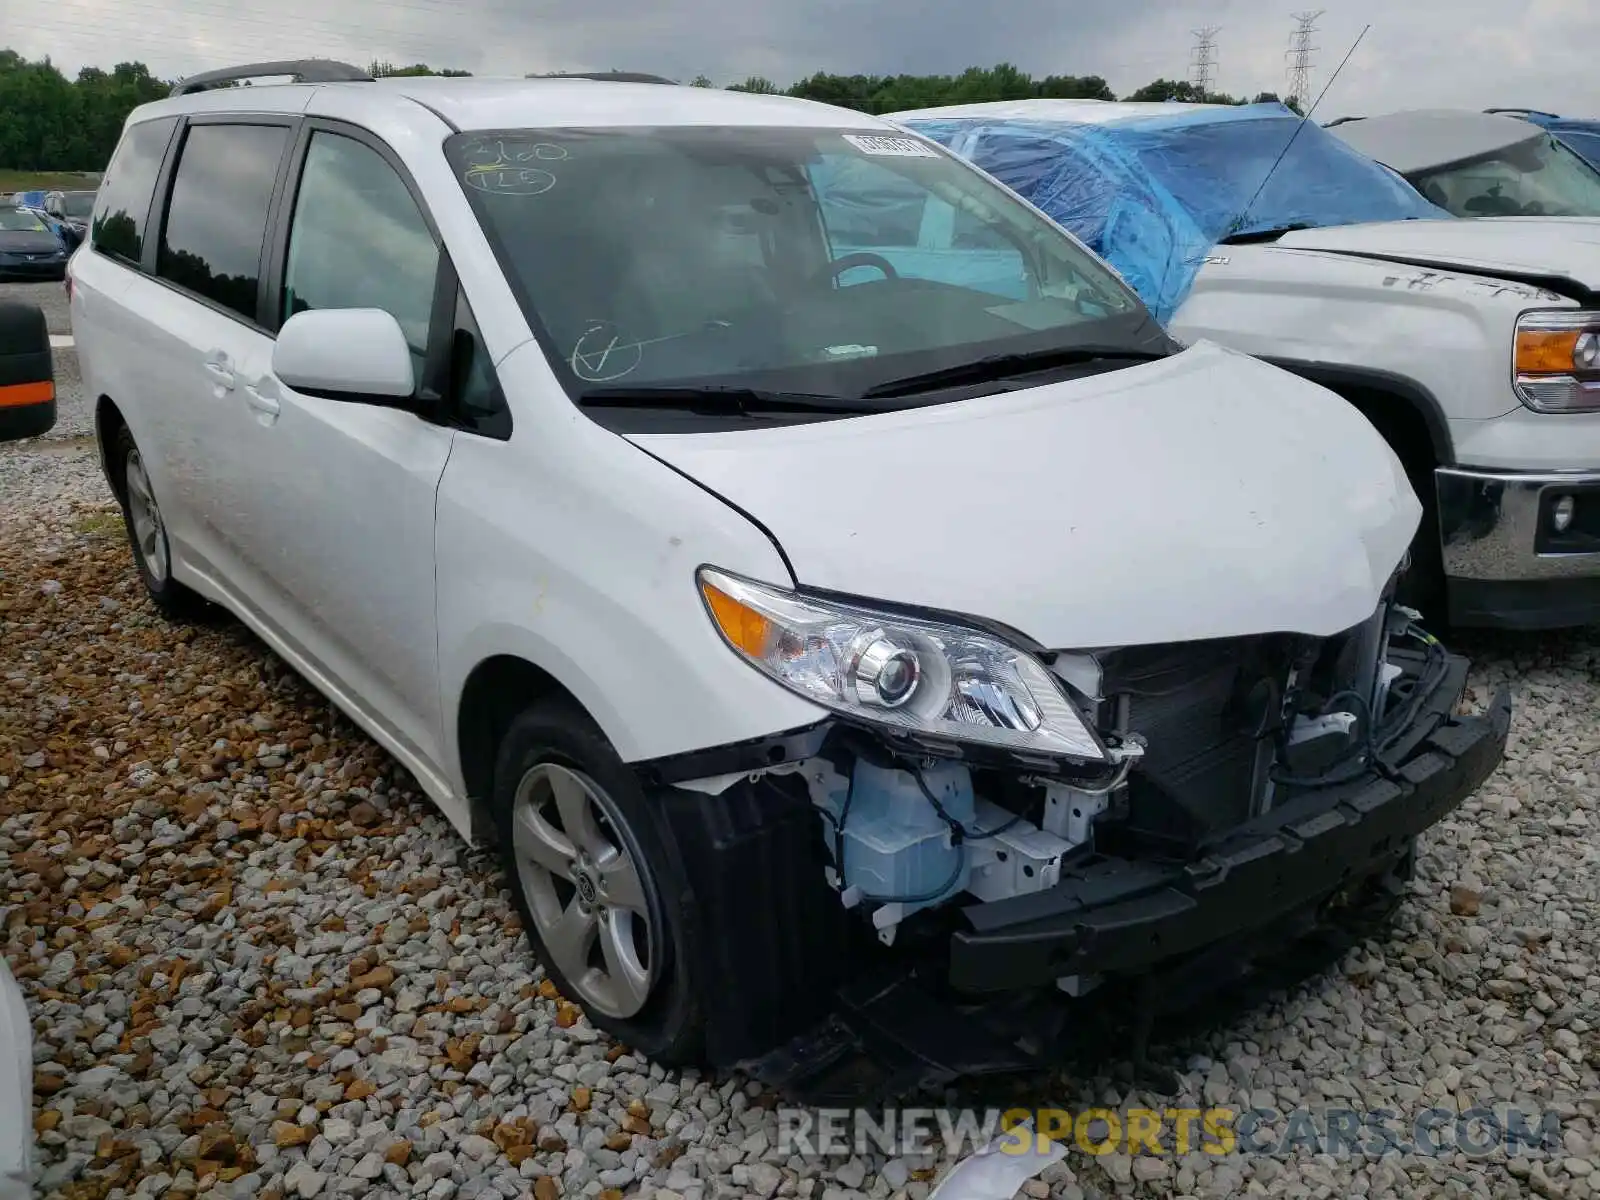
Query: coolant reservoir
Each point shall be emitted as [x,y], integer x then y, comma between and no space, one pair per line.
[896,844]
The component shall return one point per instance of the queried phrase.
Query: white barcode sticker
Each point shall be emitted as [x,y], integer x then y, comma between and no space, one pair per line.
[894,147]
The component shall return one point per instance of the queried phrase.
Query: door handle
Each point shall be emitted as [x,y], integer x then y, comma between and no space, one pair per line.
[263,402]
[219,370]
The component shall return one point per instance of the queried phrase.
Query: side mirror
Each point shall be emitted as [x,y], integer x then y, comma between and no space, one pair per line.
[27,373]
[357,354]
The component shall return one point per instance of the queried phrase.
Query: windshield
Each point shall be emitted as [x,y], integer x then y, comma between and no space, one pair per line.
[14,220]
[1154,194]
[812,261]
[77,204]
[1536,178]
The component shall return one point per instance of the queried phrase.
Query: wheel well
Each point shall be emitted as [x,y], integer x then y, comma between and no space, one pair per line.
[107,421]
[1400,424]
[497,690]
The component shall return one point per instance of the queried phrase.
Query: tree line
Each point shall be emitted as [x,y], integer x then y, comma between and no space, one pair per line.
[52,123]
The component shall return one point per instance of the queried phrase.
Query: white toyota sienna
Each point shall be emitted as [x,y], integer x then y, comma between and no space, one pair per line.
[860,637]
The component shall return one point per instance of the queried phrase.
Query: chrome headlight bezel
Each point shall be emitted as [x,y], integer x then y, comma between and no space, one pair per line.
[904,674]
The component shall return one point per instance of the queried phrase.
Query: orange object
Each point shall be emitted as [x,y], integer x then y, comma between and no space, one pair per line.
[1547,352]
[742,625]
[16,395]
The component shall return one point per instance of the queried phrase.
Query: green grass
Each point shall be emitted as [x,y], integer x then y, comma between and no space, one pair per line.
[100,524]
[27,181]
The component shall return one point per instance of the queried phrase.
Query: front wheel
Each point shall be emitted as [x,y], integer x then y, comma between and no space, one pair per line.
[598,883]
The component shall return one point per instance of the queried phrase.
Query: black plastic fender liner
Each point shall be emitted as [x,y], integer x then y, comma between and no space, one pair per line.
[27,373]
[1372,379]
[770,940]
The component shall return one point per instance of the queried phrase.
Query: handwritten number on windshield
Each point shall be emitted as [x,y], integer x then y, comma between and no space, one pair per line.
[508,169]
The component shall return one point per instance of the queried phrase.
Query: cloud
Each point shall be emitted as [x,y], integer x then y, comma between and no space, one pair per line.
[1451,53]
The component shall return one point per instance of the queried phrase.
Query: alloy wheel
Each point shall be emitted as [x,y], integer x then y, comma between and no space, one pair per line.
[583,887]
[149,533]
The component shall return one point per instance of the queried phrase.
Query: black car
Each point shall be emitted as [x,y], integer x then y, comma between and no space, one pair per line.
[73,210]
[28,250]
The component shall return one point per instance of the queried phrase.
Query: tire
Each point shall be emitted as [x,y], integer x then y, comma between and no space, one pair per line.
[595,927]
[147,536]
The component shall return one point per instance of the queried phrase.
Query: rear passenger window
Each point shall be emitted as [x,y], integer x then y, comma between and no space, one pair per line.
[217,218]
[358,240]
[123,206]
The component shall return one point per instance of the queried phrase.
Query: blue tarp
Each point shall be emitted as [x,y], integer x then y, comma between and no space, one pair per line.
[1153,195]
[1581,137]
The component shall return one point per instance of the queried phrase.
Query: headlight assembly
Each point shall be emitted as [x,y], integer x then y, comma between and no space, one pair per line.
[1556,367]
[904,673]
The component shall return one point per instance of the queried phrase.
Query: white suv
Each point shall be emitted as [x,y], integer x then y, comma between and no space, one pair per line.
[785,610]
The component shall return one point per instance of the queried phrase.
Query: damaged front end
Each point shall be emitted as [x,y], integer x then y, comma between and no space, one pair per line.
[897,903]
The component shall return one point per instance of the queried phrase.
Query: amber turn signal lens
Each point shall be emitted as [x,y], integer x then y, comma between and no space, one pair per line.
[742,625]
[1547,352]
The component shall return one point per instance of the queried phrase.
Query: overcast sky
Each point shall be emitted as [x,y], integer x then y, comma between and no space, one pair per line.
[1473,53]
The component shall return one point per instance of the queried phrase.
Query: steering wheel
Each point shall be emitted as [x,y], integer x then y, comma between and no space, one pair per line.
[858,258]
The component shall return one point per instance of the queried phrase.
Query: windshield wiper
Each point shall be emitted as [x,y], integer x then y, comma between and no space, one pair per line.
[1263,235]
[716,400]
[999,366]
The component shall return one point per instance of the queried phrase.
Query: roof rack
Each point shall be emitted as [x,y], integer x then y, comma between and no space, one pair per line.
[301,70]
[1342,121]
[1530,112]
[610,76]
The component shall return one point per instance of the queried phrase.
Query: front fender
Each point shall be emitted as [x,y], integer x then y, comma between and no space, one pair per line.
[576,552]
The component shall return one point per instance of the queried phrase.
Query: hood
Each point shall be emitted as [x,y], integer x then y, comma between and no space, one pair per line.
[28,241]
[1543,248]
[1205,495]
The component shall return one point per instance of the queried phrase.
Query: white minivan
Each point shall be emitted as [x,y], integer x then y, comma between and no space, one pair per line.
[851,650]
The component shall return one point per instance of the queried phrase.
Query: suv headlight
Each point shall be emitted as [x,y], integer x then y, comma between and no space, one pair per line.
[905,673]
[1556,366]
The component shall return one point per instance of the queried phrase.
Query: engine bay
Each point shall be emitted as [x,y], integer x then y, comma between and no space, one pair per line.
[1201,737]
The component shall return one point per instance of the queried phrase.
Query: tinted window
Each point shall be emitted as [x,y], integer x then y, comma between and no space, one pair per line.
[124,203]
[217,217]
[77,204]
[358,240]
[1539,178]
[1585,144]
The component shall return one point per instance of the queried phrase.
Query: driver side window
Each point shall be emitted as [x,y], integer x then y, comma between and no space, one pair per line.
[358,240]
[868,208]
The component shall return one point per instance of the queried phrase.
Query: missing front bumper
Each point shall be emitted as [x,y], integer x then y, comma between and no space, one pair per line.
[1123,917]
[989,1005]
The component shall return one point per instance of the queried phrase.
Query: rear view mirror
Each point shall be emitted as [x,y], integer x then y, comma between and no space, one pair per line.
[27,375]
[355,354]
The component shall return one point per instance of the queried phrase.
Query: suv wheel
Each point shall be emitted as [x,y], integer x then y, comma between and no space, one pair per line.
[598,882]
[147,535]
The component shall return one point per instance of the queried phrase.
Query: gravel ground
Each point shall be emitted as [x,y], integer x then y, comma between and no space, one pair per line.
[259,964]
[74,415]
